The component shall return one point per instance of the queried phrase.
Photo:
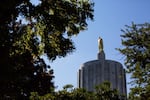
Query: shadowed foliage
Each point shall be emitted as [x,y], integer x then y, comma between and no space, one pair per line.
[103,92]
[28,31]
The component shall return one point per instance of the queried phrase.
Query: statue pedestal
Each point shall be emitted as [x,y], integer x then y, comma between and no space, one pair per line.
[101,56]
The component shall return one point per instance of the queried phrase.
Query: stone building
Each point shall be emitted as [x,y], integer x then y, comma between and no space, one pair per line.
[94,72]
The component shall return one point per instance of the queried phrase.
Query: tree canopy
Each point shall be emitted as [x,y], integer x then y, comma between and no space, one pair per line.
[136,42]
[28,31]
[102,91]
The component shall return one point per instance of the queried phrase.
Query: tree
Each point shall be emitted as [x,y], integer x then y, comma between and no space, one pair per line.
[136,42]
[104,92]
[29,31]
[68,93]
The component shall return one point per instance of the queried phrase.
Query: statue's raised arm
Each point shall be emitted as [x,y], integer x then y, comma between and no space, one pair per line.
[100,44]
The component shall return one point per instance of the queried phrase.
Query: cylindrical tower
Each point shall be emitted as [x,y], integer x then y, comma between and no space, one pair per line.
[95,72]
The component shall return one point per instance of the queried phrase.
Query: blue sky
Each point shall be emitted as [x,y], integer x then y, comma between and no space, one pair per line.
[110,17]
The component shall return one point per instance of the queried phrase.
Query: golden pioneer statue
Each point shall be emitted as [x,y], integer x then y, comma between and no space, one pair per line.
[100,44]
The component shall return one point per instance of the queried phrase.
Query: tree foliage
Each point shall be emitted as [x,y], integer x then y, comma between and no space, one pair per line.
[136,42]
[28,31]
[103,92]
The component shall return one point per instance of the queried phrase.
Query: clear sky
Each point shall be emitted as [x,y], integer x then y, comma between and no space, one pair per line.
[110,17]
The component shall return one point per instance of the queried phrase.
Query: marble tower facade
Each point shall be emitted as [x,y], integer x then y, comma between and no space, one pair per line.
[94,72]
